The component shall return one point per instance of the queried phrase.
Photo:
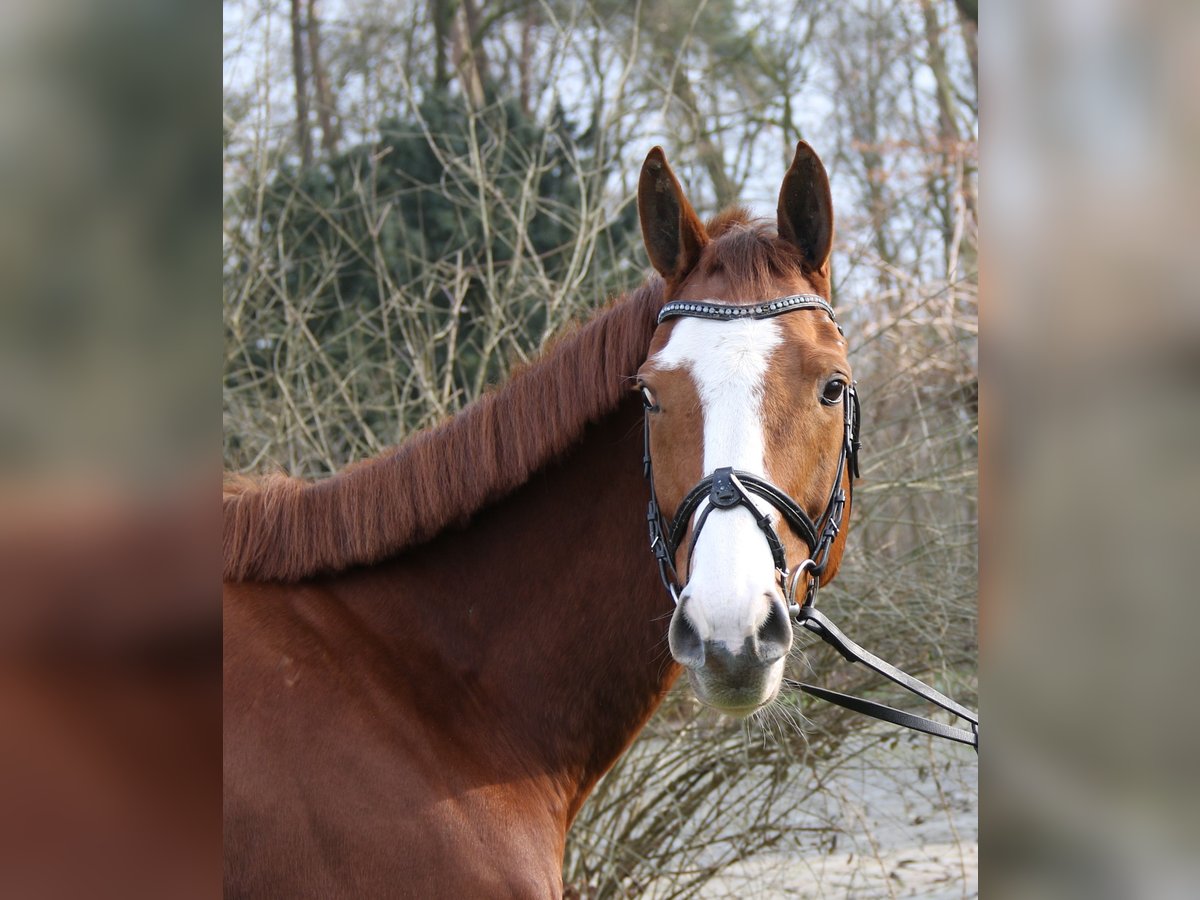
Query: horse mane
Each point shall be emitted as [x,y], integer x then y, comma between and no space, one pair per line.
[279,528]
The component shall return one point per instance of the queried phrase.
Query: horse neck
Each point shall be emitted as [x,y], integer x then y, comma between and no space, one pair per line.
[544,617]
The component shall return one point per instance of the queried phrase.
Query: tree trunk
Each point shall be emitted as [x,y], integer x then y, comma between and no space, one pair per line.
[467,60]
[302,133]
[968,11]
[707,151]
[440,14]
[949,138]
[528,25]
[947,120]
[478,55]
[326,108]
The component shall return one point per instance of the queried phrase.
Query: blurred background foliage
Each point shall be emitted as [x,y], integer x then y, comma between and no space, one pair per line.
[419,193]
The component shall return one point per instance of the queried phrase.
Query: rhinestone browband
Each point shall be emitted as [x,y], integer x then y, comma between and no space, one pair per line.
[704,309]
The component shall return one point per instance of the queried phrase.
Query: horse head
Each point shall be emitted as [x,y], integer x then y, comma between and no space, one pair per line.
[750,422]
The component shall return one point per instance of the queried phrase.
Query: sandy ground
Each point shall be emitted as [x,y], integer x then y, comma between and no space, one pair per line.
[907,820]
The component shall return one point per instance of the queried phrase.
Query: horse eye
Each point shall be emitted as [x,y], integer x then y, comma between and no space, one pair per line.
[834,388]
[648,399]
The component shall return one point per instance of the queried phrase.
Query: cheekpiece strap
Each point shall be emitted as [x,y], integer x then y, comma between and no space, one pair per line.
[727,312]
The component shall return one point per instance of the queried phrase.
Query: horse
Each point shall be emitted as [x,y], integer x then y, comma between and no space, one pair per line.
[431,657]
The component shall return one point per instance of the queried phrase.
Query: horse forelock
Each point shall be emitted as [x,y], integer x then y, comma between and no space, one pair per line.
[753,259]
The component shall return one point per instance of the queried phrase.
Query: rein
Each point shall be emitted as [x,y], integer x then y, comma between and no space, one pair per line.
[727,488]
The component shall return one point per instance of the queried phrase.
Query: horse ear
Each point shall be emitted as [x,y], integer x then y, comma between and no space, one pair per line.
[673,234]
[806,209]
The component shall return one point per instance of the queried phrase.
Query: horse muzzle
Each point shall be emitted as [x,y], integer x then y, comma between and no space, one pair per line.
[733,678]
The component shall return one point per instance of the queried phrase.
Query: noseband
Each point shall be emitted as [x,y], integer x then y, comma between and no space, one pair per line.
[727,488]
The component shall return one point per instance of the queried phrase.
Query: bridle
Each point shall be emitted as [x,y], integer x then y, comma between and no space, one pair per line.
[727,488]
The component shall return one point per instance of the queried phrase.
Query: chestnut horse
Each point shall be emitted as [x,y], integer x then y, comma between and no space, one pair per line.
[432,657]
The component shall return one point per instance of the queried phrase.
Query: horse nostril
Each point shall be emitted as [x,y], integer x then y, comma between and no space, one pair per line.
[775,633]
[684,641]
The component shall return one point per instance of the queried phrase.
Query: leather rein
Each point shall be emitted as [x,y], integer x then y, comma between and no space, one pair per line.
[727,488]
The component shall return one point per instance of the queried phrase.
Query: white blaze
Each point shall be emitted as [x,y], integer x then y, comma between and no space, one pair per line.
[732,567]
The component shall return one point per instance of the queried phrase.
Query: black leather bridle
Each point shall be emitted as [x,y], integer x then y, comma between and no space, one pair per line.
[727,488]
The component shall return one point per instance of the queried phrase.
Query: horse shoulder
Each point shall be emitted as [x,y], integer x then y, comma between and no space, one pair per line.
[333,780]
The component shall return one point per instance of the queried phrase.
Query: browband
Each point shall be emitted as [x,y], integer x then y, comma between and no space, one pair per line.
[726,312]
